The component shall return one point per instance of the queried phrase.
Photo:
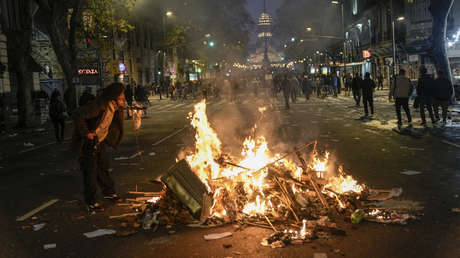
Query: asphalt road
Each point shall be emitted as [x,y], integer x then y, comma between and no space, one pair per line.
[369,150]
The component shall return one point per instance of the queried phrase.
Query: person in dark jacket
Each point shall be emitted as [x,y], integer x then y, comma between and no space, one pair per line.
[442,95]
[356,89]
[86,97]
[98,124]
[425,89]
[286,87]
[367,88]
[57,114]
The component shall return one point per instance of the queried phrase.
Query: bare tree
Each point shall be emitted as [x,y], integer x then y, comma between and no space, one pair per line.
[17,19]
[440,11]
[60,21]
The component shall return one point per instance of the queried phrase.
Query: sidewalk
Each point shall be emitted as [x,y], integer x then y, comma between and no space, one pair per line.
[385,118]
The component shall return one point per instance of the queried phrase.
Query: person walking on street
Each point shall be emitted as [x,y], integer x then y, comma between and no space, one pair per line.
[356,89]
[442,95]
[86,97]
[286,87]
[368,86]
[96,125]
[57,115]
[380,82]
[401,90]
[425,89]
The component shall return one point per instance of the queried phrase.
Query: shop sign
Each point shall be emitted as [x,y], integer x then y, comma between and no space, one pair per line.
[88,71]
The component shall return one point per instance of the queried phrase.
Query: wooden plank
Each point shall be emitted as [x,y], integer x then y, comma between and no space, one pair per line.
[36,210]
[124,215]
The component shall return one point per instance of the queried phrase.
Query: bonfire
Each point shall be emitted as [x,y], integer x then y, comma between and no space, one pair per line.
[296,194]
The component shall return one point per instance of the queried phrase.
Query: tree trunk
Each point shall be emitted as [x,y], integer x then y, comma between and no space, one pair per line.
[19,49]
[440,10]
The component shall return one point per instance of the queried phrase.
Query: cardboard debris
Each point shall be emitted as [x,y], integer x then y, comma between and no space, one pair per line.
[99,232]
[37,227]
[382,195]
[49,246]
[36,210]
[217,236]
[411,172]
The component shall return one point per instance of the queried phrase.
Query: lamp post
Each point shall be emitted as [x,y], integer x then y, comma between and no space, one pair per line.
[393,21]
[336,2]
[165,15]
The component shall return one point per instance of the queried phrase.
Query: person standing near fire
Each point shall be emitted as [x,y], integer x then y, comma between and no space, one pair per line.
[96,125]
[401,90]
[367,87]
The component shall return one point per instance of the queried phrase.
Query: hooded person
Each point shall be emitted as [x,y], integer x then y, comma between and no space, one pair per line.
[97,124]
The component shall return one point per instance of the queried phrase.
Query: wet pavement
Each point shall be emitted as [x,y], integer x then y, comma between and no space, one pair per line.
[369,150]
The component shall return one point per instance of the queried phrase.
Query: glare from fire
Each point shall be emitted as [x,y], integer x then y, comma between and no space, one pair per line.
[249,177]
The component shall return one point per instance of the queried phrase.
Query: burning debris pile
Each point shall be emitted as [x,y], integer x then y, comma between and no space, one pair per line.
[298,201]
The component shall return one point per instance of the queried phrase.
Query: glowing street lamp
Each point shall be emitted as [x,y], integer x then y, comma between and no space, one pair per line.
[211,43]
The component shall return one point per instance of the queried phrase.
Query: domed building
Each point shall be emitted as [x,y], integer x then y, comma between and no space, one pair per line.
[265,54]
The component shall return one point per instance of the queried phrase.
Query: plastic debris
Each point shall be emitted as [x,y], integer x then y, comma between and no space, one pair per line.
[357,216]
[29,144]
[99,232]
[217,236]
[37,227]
[49,246]
[388,217]
[411,172]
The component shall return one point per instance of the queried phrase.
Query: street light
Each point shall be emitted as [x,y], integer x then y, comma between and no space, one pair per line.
[336,2]
[400,19]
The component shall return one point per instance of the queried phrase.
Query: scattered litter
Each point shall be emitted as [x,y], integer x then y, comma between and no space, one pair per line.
[217,236]
[29,144]
[411,148]
[411,172]
[37,227]
[12,135]
[49,246]
[99,232]
[319,255]
[152,154]
[129,164]
[456,210]
[36,210]
[382,195]
[388,217]
[130,157]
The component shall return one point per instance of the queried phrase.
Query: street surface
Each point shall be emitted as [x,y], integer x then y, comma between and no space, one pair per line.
[370,151]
